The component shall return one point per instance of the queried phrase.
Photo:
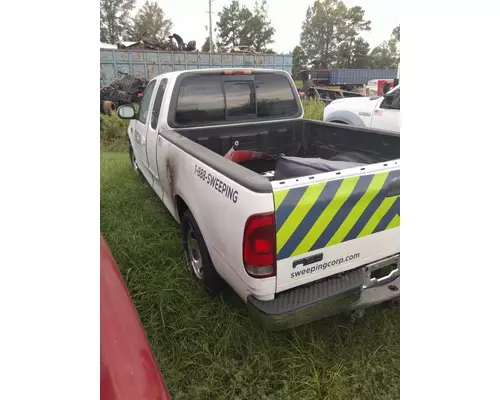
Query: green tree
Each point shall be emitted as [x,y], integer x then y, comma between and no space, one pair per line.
[238,26]
[322,32]
[115,19]
[384,57]
[150,23]
[231,26]
[351,26]
[360,55]
[299,62]
[387,55]
[206,45]
[394,43]
[356,57]
[258,30]
[396,33]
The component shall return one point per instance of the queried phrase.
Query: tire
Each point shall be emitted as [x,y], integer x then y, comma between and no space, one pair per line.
[197,257]
[133,160]
[134,164]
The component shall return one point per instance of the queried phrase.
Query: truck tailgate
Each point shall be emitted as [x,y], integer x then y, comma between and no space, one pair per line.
[328,227]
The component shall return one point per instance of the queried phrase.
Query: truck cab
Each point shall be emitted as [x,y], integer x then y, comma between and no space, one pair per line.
[378,112]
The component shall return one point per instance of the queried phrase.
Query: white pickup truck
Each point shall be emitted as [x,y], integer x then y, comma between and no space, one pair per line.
[299,217]
[379,112]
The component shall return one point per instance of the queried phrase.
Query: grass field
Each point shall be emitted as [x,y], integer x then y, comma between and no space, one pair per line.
[210,348]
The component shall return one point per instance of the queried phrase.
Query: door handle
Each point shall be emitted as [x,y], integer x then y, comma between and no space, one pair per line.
[308,260]
[393,188]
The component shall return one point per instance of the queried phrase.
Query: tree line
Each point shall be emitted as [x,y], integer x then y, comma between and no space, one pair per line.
[331,38]
[330,34]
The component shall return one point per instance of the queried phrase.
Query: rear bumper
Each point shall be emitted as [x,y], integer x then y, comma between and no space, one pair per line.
[349,291]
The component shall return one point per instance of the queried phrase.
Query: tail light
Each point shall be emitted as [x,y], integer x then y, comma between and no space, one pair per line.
[259,245]
[238,72]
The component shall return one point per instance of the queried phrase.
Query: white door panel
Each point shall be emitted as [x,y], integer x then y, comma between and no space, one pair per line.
[139,133]
[386,115]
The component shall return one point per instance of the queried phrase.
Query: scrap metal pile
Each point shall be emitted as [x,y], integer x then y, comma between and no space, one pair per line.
[174,43]
[125,89]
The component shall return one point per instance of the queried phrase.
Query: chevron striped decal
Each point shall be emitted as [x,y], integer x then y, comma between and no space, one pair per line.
[325,214]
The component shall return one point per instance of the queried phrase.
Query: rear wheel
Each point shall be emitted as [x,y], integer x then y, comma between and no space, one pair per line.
[197,256]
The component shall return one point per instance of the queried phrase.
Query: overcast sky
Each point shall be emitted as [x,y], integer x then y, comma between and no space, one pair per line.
[286,16]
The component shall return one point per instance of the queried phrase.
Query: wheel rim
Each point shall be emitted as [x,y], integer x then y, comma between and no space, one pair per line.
[193,253]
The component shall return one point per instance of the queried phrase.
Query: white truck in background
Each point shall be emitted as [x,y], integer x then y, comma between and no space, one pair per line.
[299,217]
[378,112]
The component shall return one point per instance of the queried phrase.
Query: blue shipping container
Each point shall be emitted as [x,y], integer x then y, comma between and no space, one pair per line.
[147,64]
[359,76]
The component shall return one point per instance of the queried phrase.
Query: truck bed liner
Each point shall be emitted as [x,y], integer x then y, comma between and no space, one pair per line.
[302,138]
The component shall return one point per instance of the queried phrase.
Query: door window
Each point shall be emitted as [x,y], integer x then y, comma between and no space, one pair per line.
[146,102]
[240,99]
[200,100]
[392,101]
[155,114]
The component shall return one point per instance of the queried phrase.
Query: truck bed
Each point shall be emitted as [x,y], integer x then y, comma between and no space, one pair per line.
[299,138]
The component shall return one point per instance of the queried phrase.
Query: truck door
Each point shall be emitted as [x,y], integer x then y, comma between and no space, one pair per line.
[386,113]
[139,134]
[152,132]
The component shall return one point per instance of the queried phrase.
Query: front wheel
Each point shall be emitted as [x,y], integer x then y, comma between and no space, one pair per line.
[197,256]
[134,164]
[133,160]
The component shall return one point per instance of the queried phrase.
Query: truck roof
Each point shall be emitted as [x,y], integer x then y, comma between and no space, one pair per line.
[175,74]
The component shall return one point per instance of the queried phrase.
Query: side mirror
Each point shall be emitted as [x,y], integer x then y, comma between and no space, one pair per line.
[126,112]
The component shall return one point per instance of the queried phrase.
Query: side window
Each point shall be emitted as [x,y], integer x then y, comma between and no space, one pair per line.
[396,101]
[200,100]
[146,102]
[275,97]
[155,114]
[240,98]
[392,101]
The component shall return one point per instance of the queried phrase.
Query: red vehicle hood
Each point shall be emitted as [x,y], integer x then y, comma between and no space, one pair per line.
[128,368]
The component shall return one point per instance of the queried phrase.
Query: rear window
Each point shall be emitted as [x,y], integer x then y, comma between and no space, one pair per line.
[215,98]
[240,99]
[275,97]
[200,101]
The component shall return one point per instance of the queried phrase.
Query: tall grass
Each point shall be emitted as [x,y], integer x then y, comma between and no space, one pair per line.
[114,132]
[313,109]
[210,348]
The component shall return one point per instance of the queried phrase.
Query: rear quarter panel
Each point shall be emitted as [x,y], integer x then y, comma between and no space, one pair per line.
[221,208]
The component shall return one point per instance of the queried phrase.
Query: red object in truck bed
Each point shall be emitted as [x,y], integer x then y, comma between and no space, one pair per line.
[128,368]
[381,84]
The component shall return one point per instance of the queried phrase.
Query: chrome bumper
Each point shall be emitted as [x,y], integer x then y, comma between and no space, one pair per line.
[349,291]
